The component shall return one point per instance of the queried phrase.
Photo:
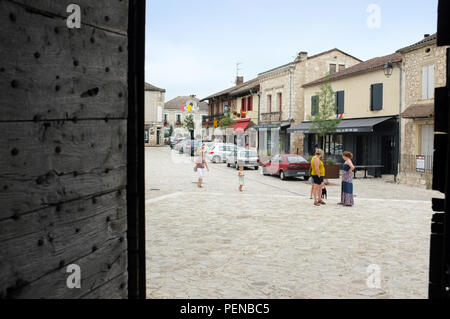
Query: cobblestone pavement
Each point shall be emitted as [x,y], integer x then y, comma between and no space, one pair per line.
[271,242]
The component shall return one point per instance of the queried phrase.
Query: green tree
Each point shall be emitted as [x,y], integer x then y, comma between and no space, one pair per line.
[189,123]
[324,111]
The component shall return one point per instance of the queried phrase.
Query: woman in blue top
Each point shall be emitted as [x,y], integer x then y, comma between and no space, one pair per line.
[347,180]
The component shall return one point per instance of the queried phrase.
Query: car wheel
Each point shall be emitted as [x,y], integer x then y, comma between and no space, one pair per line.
[256,168]
[306,178]
[282,176]
[216,159]
[228,164]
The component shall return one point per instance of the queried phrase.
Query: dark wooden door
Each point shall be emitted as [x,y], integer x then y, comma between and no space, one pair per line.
[71,148]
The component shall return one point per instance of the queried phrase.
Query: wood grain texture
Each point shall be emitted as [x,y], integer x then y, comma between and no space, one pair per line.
[46,163]
[63,149]
[48,71]
[73,233]
[106,14]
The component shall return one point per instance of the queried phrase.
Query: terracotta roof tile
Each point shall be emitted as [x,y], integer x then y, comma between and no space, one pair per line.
[363,67]
[149,87]
[176,103]
[426,41]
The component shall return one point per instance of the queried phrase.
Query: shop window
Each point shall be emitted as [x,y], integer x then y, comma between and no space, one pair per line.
[376,97]
[428,82]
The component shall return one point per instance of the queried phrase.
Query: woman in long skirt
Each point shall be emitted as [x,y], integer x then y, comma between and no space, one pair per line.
[347,180]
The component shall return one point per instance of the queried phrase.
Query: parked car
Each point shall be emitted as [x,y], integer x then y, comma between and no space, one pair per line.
[191,147]
[174,141]
[219,152]
[208,145]
[243,157]
[182,146]
[178,144]
[286,166]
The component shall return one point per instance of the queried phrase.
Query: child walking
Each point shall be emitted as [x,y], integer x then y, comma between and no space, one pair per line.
[241,178]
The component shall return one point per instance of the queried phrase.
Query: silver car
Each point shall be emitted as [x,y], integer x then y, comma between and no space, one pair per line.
[243,157]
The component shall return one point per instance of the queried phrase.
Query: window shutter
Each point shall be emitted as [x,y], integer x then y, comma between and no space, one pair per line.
[314,105]
[424,83]
[243,100]
[340,102]
[280,101]
[250,103]
[431,82]
[377,97]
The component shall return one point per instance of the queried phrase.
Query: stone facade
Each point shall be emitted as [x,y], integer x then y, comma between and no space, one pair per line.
[174,117]
[416,57]
[288,80]
[154,108]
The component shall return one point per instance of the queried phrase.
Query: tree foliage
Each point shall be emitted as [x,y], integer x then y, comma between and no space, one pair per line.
[189,123]
[226,122]
[324,120]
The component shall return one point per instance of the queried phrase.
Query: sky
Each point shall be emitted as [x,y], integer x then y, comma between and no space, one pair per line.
[192,47]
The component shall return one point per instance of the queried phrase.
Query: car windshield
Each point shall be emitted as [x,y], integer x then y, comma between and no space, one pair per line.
[248,154]
[296,159]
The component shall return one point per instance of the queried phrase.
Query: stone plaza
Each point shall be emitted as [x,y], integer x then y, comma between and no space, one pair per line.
[271,242]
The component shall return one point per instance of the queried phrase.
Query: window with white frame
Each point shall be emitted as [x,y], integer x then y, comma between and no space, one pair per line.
[428,82]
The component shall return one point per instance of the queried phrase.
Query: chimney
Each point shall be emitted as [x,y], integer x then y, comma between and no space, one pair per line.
[239,80]
[192,96]
[426,35]
[302,56]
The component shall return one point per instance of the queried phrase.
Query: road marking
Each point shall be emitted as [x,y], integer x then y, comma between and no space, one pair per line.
[160,198]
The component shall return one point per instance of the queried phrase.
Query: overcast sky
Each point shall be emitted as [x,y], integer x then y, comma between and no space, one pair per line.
[193,46]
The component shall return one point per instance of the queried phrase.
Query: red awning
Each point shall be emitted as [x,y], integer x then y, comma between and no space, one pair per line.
[240,126]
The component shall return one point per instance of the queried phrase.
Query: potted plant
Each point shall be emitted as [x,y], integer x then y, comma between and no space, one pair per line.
[332,169]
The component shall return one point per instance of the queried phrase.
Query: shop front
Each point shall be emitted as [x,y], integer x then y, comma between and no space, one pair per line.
[373,141]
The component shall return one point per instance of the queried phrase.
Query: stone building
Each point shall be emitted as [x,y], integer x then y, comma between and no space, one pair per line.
[368,101]
[154,105]
[273,101]
[282,97]
[242,102]
[176,111]
[424,70]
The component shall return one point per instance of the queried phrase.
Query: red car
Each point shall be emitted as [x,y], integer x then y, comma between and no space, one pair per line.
[287,165]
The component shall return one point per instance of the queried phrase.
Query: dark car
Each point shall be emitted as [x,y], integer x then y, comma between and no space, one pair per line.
[286,166]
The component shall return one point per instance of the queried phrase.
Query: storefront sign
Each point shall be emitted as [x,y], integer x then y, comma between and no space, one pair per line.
[420,164]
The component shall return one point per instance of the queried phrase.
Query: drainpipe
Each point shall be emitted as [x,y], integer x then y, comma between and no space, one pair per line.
[400,123]
[291,83]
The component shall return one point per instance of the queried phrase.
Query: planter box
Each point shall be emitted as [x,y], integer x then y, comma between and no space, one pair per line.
[332,171]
